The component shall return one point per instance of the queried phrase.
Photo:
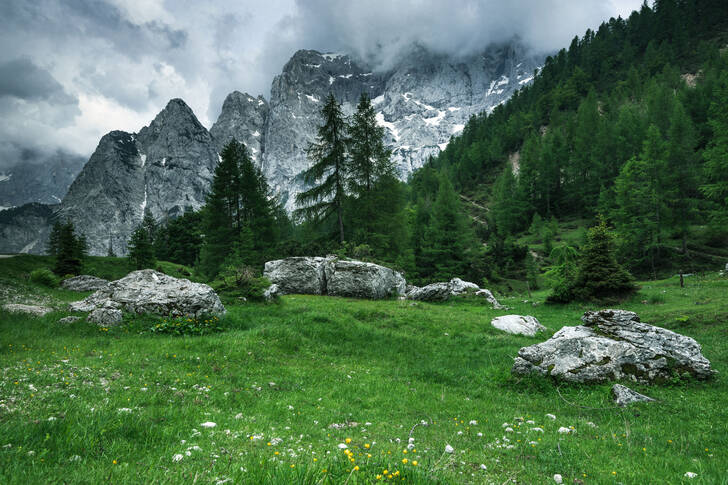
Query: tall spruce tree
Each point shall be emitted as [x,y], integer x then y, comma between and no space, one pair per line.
[449,235]
[141,245]
[716,155]
[641,197]
[70,250]
[328,174]
[378,205]
[221,216]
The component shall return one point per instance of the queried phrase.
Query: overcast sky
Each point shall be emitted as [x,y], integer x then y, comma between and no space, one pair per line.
[70,71]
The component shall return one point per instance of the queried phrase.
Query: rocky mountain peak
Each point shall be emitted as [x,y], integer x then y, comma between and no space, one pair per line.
[243,117]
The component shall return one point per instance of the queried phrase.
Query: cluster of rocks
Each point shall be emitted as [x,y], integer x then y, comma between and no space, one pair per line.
[341,277]
[445,290]
[614,345]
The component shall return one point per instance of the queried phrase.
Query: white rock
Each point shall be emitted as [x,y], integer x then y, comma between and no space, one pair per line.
[518,325]
[611,345]
[34,310]
[148,291]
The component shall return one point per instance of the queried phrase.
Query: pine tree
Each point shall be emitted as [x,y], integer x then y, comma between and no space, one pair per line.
[716,155]
[682,173]
[70,250]
[221,215]
[328,174]
[642,213]
[141,249]
[370,159]
[54,240]
[599,276]
[449,236]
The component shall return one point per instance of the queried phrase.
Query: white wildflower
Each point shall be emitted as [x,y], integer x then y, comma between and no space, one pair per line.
[177,457]
[208,424]
[483,467]
[342,446]
[473,422]
[449,449]
[551,417]
[690,475]
[558,478]
[563,430]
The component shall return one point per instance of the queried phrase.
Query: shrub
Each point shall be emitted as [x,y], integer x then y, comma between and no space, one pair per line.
[241,281]
[188,326]
[45,277]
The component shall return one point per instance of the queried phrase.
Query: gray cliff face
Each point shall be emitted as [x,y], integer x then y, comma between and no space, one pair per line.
[45,179]
[297,96]
[25,229]
[422,102]
[244,118]
[167,168]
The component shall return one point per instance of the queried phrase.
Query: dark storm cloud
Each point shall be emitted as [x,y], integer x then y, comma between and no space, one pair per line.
[380,31]
[71,70]
[22,79]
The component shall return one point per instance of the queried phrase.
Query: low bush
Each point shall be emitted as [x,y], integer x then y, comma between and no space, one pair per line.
[188,326]
[45,277]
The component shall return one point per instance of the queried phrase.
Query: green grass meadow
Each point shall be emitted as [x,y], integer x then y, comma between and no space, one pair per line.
[289,384]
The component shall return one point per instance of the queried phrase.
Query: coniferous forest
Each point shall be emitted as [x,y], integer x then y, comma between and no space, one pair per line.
[626,128]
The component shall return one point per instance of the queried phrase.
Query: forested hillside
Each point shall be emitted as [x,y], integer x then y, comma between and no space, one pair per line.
[630,122]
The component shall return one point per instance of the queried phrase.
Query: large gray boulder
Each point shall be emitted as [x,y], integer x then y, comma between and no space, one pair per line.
[362,280]
[84,282]
[613,345]
[518,325]
[304,275]
[149,291]
[333,276]
[445,290]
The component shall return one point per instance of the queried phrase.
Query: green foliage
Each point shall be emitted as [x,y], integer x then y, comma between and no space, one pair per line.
[239,281]
[599,277]
[448,246]
[68,248]
[239,216]
[328,174]
[141,244]
[716,154]
[45,277]
[194,326]
[609,119]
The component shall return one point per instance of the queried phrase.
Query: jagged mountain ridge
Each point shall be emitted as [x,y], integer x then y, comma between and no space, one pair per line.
[422,102]
[167,167]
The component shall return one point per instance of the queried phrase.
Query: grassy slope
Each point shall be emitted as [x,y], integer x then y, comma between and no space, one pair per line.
[291,370]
